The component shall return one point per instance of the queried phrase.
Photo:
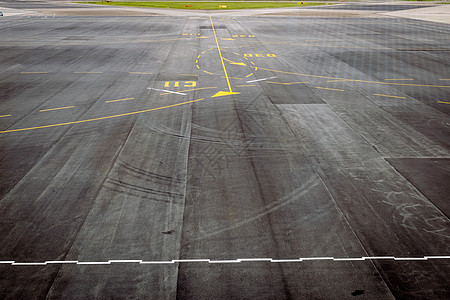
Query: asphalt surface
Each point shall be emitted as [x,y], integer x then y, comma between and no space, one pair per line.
[308,158]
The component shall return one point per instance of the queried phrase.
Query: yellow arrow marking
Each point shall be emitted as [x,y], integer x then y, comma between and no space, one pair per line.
[220,94]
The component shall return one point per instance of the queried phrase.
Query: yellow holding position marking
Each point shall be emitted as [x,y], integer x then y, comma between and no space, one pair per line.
[3,116]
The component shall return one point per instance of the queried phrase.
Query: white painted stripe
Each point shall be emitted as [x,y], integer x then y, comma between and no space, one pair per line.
[260,79]
[285,260]
[93,263]
[410,258]
[62,262]
[190,260]
[125,261]
[225,261]
[254,259]
[166,91]
[28,264]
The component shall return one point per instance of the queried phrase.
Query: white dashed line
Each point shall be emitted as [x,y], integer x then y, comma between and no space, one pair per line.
[224,261]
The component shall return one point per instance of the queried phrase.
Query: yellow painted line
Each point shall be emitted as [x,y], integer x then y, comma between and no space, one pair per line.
[196,89]
[245,85]
[4,116]
[400,79]
[144,73]
[33,72]
[220,54]
[443,102]
[236,53]
[101,118]
[197,67]
[124,99]
[88,72]
[308,75]
[50,109]
[339,80]
[237,78]
[286,83]
[389,96]
[208,72]
[356,80]
[188,74]
[323,88]
[249,75]
[444,79]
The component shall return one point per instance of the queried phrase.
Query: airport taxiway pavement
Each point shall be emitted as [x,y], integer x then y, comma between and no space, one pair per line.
[224,157]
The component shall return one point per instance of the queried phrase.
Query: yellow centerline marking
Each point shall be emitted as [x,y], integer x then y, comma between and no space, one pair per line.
[249,75]
[444,79]
[220,54]
[237,78]
[339,80]
[101,118]
[144,73]
[400,79]
[33,72]
[58,108]
[188,74]
[324,88]
[389,96]
[286,83]
[208,72]
[196,89]
[245,85]
[443,102]
[124,99]
[88,72]
[3,116]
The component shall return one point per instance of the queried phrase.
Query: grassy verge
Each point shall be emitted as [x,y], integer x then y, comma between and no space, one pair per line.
[208,5]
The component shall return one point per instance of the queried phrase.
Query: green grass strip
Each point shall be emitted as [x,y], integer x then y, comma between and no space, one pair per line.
[208,5]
